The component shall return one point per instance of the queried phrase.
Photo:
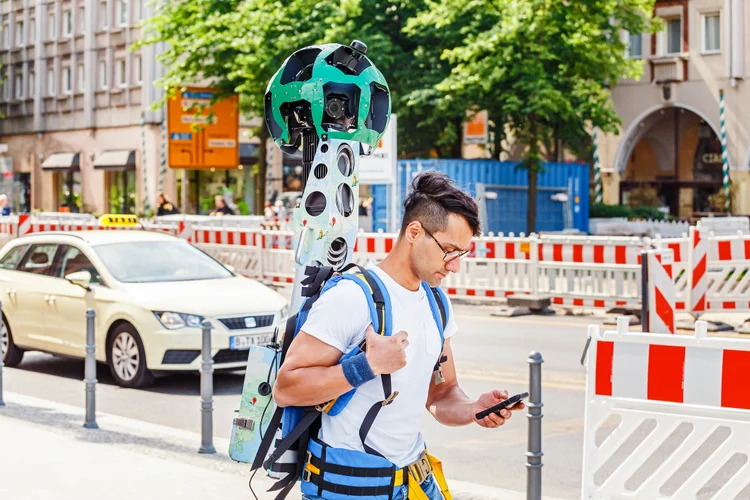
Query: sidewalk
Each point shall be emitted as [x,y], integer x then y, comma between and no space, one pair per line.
[46,453]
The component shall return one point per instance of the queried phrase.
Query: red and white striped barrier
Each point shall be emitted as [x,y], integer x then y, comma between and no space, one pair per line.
[661,292]
[698,264]
[672,382]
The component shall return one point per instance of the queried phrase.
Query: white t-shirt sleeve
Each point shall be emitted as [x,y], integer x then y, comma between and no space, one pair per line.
[339,317]
[452,327]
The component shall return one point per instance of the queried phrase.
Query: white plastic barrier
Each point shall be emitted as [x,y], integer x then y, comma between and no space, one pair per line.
[710,273]
[654,406]
[586,271]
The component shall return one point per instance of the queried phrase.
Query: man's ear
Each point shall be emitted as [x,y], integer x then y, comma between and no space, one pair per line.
[412,231]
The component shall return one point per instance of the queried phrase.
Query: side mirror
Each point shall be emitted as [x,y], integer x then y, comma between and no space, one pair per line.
[230,268]
[81,278]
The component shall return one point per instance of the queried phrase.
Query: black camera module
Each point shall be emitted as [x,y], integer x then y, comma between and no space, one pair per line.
[335,107]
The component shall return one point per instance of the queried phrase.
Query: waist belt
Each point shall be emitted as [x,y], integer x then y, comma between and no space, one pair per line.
[327,470]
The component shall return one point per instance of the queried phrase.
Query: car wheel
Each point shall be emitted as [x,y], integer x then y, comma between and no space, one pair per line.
[127,358]
[12,354]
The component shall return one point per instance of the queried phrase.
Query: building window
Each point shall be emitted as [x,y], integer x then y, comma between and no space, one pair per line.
[674,35]
[67,80]
[122,12]
[6,37]
[68,23]
[32,83]
[122,75]
[711,33]
[51,82]
[52,28]
[81,77]
[32,30]
[635,45]
[82,19]
[19,86]
[138,69]
[20,35]
[103,20]
[140,9]
[103,74]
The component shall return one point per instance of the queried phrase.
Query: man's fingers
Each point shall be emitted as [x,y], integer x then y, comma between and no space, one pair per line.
[505,414]
[401,337]
[501,395]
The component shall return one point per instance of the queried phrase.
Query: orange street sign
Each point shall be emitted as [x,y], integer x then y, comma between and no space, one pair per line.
[475,131]
[208,139]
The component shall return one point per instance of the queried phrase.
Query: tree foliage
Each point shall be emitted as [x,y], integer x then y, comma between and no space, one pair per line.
[543,67]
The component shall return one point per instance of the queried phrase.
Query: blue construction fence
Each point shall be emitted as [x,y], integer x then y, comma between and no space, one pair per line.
[562,194]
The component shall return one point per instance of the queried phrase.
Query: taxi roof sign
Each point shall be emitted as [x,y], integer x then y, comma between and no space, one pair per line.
[119,220]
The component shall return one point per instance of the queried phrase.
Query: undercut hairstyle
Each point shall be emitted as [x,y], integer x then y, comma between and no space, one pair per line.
[433,197]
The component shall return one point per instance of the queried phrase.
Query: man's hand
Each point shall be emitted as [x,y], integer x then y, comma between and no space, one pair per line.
[488,400]
[386,354]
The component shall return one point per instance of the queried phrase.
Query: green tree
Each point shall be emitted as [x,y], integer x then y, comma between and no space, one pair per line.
[236,46]
[543,67]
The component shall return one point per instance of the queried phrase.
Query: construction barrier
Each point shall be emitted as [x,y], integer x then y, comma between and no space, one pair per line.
[656,408]
[710,273]
[660,315]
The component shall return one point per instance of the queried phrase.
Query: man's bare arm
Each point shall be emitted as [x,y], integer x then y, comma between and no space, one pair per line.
[310,374]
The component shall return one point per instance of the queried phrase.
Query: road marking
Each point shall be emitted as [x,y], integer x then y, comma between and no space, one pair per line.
[568,385]
[526,322]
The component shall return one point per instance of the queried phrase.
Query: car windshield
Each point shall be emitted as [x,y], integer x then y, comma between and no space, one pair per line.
[157,261]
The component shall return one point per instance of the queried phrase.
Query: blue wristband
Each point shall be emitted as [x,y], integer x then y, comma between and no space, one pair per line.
[357,370]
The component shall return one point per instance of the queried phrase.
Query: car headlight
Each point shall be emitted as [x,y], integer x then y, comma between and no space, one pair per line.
[173,320]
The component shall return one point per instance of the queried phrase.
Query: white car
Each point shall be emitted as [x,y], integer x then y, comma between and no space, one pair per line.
[150,292]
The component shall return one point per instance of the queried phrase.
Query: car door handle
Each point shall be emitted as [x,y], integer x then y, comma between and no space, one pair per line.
[50,299]
[12,293]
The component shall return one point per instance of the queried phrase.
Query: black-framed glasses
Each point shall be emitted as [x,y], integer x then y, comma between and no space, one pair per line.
[448,256]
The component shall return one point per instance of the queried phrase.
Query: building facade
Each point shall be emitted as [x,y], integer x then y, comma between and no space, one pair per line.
[78,132]
[669,145]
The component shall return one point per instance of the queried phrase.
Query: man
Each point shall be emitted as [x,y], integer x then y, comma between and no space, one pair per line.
[221,207]
[437,229]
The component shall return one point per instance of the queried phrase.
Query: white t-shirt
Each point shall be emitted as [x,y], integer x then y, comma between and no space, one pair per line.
[339,318]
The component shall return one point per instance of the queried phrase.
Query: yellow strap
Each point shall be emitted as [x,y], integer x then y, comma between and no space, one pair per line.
[437,470]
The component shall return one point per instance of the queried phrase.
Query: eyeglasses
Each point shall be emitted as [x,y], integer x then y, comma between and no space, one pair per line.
[448,256]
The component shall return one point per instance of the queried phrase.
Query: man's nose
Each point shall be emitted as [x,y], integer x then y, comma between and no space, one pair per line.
[454,265]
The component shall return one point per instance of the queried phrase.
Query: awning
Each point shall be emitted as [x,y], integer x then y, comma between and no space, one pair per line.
[116,160]
[60,162]
[248,153]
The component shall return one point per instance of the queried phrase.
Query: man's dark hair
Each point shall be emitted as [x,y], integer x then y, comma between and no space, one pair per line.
[433,197]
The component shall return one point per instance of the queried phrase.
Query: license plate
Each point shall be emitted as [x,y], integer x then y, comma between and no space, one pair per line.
[241,342]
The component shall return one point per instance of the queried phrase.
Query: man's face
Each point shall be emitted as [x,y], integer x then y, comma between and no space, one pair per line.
[429,259]
[219,202]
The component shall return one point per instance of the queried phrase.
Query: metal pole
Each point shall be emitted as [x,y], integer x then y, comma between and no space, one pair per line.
[2,355]
[534,453]
[207,391]
[644,291]
[90,371]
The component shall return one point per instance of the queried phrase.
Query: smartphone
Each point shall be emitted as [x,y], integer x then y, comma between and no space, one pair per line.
[508,403]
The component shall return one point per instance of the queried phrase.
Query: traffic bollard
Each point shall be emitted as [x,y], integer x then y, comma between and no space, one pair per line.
[2,355]
[90,371]
[207,391]
[534,453]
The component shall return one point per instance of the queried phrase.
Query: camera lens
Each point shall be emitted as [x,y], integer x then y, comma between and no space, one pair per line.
[334,108]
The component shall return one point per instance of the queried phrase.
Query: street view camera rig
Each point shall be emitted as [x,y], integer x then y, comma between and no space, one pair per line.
[333,103]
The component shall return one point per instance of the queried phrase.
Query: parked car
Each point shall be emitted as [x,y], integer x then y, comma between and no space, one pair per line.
[150,292]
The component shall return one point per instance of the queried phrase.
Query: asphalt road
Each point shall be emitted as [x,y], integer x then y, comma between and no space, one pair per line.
[491,353]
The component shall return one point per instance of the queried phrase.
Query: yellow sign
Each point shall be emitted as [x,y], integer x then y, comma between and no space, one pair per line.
[208,139]
[525,247]
[119,220]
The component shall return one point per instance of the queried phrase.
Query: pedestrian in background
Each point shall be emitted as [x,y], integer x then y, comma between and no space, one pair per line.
[4,207]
